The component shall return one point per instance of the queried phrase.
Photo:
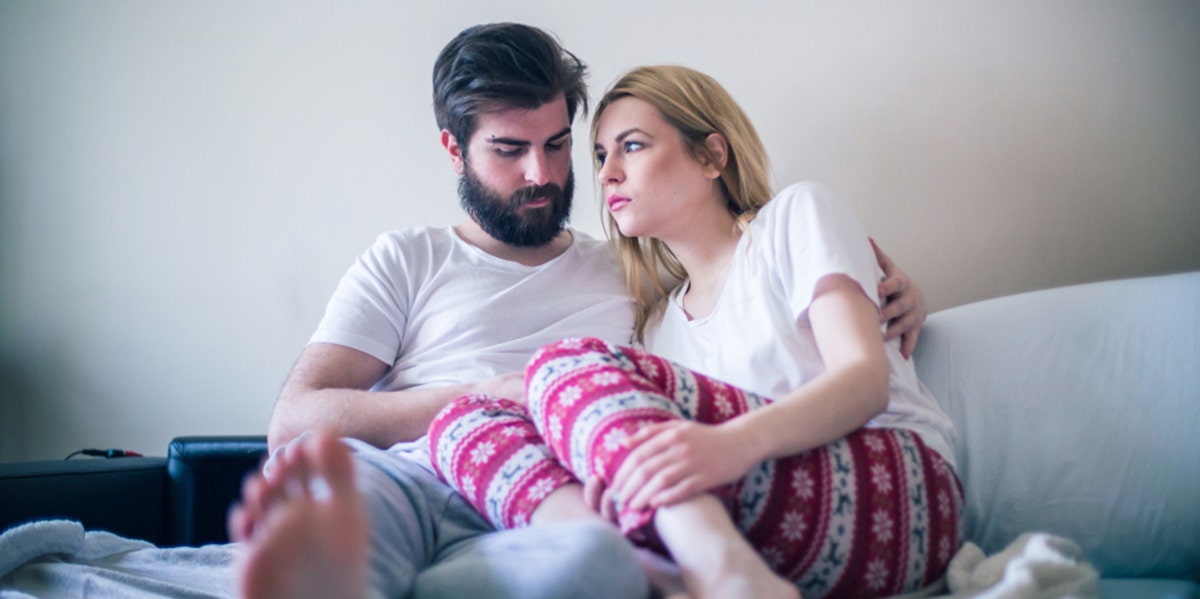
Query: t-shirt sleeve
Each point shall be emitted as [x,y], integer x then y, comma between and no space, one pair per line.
[813,235]
[369,308]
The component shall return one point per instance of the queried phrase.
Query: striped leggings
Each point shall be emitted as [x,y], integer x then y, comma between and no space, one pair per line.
[875,513]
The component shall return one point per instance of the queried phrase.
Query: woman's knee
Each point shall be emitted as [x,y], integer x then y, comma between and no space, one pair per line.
[469,413]
[568,348]
[554,365]
[474,406]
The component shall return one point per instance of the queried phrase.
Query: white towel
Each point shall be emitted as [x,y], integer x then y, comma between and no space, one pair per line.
[1034,566]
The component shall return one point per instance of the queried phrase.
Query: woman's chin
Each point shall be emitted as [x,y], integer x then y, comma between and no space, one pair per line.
[629,228]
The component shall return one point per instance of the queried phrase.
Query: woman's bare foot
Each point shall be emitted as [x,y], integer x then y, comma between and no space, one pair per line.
[713,556]
[305,529]
[741,573]
[665,579]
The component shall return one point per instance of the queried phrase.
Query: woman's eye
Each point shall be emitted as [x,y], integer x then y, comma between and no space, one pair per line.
[633,146]
[600,158]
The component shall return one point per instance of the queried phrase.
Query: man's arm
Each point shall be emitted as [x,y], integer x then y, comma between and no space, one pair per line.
[329,388]
[904,306]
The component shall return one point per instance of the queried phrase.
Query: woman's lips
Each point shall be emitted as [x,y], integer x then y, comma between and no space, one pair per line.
[616,202]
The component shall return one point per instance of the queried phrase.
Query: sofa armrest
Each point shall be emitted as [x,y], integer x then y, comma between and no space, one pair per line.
[125,496]
[182,499]
[1077,410]
[205,476]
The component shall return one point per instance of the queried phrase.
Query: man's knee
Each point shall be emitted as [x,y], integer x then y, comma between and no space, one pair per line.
[599,562]
[570,559]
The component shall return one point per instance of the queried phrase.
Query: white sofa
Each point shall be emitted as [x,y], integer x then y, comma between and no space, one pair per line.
[1078,414]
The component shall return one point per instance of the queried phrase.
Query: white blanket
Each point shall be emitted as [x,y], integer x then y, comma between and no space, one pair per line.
[1034,566]
[56,558]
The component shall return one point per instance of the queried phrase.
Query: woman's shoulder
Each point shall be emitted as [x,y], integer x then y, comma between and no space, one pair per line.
[806,203]
[803,195]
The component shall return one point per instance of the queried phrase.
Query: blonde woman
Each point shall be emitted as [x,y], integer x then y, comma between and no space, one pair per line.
[768,440]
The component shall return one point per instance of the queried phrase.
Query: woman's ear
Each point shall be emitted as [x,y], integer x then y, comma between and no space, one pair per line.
[718,149]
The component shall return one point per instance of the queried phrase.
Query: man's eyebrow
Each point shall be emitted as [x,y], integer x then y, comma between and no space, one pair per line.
[512,141]
[566,132]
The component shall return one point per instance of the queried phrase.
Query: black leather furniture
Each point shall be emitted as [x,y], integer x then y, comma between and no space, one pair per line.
[178,500]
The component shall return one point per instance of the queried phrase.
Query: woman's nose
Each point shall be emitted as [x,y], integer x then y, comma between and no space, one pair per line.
[610,171]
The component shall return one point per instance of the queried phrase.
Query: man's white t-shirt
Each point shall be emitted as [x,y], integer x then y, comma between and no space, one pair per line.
[441,311]
[759,337]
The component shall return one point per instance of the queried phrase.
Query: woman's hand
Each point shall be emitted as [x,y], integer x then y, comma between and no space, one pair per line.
[677,460]
[599,497]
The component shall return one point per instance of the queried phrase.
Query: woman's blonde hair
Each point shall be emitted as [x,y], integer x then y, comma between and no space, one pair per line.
[697,106]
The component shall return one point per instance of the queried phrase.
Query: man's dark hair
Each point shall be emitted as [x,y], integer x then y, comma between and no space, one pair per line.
[500,66]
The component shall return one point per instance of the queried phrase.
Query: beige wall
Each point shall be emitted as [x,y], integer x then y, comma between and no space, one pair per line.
[182,184]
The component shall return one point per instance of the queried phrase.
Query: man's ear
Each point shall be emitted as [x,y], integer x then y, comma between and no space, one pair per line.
[718,149]
[457,154]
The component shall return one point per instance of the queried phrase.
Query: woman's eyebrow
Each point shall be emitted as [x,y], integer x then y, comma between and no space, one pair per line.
[626,133]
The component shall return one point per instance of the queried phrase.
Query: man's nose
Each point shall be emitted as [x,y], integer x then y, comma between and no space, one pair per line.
[537,168]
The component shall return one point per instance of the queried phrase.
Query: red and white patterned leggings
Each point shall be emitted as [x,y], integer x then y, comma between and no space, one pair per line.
[875,513]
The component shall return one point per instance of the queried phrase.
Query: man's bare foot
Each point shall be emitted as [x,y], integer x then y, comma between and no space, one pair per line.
[305,529]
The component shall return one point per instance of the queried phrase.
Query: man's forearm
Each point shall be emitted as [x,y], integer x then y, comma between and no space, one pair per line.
[379,418]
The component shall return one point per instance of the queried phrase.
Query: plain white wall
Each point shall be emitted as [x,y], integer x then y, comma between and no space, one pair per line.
[182,184]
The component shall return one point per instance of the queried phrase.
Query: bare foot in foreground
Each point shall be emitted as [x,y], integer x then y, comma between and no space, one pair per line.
[305,530]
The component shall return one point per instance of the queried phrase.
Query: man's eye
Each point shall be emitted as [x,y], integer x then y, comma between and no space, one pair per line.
[554,147]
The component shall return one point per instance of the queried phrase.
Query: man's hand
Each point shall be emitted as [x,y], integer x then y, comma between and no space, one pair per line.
[510,386]
[904,308]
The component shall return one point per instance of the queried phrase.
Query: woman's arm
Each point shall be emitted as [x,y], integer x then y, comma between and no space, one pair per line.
[852,390]
[676,460]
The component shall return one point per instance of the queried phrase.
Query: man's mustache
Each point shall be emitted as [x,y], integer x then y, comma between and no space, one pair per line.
[550,191]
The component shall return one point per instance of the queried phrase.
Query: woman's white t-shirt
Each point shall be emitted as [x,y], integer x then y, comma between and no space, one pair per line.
[758,337]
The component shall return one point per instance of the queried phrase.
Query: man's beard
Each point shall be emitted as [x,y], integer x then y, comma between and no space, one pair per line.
[502,218]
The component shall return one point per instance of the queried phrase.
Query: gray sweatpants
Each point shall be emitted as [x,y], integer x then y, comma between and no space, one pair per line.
[428,541]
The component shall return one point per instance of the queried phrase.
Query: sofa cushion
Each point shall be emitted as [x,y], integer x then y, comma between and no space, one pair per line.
[1077,411]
